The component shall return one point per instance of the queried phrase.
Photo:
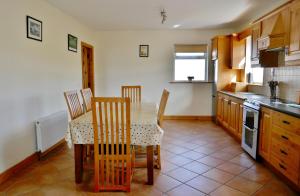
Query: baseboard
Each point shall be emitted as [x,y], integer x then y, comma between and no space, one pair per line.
[179,117]
[18,167]
[52,148]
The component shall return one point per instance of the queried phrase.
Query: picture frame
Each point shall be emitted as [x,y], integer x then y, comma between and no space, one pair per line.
[34,28]
[144,51]
[72,43]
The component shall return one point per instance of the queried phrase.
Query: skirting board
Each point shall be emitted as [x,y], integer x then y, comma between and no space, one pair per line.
[18,167]
[176,117]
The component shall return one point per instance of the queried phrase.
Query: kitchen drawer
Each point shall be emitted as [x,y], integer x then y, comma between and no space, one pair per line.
[290,173]
[287,122]
[286,137]
[287,154]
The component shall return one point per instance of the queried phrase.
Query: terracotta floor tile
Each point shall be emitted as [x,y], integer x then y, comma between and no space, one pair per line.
[165,183]
[205,150]
[222,155]
[231,168]
[242,184]
[227,191]
[189,145]
[185,190]
[167,166]
[243,161]
[182,174]
[211,161]
[197,167]
[179,160]
[218,175]
[261,177]
[203,184]
[193,155]
[177,149]
[275,188]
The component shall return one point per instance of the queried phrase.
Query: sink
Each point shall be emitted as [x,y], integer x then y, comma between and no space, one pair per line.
[293,105]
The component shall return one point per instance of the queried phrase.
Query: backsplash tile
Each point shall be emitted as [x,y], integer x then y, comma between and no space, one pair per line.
[289,82]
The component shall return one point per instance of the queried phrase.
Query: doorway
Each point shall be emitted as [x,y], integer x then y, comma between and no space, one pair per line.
[87,57]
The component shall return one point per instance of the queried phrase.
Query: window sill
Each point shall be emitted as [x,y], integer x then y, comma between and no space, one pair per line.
[255,84]
[187,82]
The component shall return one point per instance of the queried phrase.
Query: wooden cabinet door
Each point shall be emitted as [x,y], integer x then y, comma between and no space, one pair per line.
[220,108]
[256,32]
[233,117]
[264,134]
[226,112]
[214,49]
[295,28]
[238,53]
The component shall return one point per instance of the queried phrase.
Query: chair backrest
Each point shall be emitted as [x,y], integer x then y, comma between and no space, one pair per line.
[133,92]
[111,123]
[74,105]
[87,98]
[162,106]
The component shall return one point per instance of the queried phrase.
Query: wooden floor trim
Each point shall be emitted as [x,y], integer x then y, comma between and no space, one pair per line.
[180,117]
[18,167]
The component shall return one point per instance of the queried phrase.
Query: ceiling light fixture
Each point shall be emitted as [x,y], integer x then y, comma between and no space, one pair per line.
[176,26]
[163,14]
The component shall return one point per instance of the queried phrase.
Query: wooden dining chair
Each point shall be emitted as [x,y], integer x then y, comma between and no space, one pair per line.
[113,154]
[74,105]
[87,98]
[133,92]
[160,117]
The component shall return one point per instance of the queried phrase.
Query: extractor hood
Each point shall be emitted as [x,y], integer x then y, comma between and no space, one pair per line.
[273,33]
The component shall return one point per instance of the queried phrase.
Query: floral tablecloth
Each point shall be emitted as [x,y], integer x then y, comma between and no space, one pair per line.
[144,128]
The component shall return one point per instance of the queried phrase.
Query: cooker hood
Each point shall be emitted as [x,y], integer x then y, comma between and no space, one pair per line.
[273,33]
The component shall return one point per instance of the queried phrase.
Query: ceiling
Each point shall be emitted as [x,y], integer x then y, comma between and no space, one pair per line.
[145,14]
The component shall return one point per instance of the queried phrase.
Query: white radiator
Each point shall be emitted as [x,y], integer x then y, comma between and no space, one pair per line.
[50,130]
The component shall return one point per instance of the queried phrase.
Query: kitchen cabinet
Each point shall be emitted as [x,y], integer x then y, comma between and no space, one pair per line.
[230,114]
[238,52]
[264,133]
[256,32]
[295,28]
[279,143]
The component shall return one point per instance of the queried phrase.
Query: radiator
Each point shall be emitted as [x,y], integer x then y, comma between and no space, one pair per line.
[50,130]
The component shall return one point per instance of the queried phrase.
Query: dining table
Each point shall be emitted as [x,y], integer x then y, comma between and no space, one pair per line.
[144,132]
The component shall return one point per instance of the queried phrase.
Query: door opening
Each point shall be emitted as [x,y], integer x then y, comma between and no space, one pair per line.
[87,58]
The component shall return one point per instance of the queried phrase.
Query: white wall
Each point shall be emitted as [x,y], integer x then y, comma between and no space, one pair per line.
[118,64]
[33,74]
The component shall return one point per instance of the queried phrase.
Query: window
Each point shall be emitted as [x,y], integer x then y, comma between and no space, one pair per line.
[256,74]
[190,60]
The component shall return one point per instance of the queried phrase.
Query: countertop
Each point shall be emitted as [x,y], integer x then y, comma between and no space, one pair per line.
[267,102]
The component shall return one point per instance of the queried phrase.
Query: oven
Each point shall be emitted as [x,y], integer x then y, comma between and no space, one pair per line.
[250,128]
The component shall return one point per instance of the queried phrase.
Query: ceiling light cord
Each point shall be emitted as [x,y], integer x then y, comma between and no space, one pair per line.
[163,14]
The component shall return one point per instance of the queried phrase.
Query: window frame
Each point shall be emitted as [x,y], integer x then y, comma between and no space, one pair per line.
[205,57]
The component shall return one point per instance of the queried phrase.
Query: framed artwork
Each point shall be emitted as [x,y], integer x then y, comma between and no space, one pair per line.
[144,51]
[34,28]
[72,43]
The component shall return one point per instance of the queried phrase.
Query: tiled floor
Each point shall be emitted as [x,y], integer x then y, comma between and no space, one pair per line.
[198,158]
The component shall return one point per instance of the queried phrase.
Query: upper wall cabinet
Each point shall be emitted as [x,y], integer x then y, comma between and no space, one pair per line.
[295,28]
[256,32]
[238,52]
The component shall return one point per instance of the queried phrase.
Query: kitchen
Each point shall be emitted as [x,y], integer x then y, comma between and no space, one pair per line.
[264,116]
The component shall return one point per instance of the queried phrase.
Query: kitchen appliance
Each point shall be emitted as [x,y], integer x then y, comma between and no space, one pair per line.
[250,127]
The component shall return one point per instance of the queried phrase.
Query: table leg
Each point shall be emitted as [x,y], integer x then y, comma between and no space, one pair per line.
[78,156]
[150,165]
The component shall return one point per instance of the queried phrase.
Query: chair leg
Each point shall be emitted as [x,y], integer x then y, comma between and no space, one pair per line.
[157,161]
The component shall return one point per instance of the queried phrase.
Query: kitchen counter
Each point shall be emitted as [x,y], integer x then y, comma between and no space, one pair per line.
[279,105]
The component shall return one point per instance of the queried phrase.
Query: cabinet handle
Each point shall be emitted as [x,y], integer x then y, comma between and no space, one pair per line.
[283,152]
[281,166]
[284,137]
[286,122]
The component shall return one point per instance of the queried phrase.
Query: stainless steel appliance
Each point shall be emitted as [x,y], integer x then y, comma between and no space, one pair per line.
[250,127]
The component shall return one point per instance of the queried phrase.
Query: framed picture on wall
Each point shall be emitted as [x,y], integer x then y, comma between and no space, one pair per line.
[144,51]
[72,43]
[34,28]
